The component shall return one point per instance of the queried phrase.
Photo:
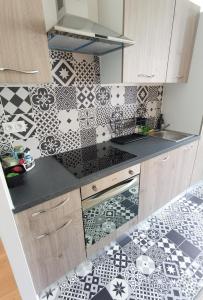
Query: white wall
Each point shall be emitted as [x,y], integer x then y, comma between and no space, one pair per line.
[183,103]
[198,2]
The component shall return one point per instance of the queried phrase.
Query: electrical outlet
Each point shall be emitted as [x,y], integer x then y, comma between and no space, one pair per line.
[14,127]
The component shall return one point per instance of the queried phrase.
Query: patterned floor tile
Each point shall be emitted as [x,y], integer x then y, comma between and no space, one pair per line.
[143,241]
[170,270]
[153,261]
[189,249]
[120,260]
[133,276]
[91,284]
[157,254]
[182,260]
[175,293]
[198,191]
[119,289]
[75,292]
[145,264]
[132,251]
[104,294]
[145,291]
[175,237]
[112,249]
[166,245]
[106,271]
[160,282]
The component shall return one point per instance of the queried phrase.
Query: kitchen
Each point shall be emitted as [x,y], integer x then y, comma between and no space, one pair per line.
[105,123]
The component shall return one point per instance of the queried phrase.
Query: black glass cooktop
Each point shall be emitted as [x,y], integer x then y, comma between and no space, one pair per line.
[85,161]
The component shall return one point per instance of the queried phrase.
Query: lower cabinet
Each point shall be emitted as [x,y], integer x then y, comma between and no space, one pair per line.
[198,167]
[52,238]
[164,177]
[185,158]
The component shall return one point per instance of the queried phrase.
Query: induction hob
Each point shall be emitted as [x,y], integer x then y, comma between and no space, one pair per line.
[85,161]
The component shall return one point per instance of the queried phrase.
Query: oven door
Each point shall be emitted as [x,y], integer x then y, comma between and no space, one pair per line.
[108,210]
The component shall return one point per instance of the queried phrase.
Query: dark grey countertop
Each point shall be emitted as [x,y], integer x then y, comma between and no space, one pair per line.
[50,179]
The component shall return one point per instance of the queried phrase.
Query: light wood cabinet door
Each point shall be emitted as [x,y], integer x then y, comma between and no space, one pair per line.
[182,41]
[198,165]
[55,246]
[23,42]
[156,183]
[185,158]
[165,177]
[149,24]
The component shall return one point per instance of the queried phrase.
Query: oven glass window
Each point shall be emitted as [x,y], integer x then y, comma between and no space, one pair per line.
[104,214]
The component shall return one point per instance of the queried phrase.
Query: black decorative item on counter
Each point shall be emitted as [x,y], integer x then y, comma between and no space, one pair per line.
[85,161]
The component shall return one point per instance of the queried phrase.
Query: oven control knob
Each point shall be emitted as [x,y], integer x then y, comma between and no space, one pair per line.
[131,172]
[94,188]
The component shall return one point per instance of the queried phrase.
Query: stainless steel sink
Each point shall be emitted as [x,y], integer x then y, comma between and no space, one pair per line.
[170,135]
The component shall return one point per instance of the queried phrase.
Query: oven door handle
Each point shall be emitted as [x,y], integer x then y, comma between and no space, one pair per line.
[92,201]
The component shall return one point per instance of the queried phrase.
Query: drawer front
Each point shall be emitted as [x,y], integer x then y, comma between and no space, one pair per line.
[46,215]
[106,182]
[51,254]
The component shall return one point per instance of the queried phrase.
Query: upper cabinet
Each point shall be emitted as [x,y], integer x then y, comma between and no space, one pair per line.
[24,47]
[164,34]
[182,41]
[149,23]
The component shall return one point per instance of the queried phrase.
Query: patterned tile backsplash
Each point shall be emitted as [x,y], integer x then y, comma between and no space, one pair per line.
[75,111]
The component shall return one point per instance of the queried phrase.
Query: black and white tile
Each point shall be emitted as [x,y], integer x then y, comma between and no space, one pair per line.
[85,97]
[117,95]
[66,97]
[30,126]
[15,100]
[47,122]
[43,97]
[68,120]
[130,94]
[50,145]
[103,95]
[63,71]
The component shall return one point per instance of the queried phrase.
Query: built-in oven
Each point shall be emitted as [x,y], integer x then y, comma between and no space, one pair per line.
[108,209]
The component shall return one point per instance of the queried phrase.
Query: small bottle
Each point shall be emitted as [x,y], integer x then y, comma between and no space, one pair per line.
[160,122]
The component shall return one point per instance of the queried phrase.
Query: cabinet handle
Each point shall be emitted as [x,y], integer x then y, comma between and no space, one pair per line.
[94,187]
[53,208]
[20,71]
[179,77]
[39,237]
[146,76]
[131,172]
[165,158]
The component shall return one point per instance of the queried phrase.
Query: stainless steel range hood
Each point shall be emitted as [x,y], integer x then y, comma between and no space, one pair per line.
[76,34]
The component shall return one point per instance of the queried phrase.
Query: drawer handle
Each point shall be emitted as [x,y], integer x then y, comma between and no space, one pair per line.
[179,77]
[165,158]
[53,208]
[131,172]
[20,71]
[146,75]
[39,237]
